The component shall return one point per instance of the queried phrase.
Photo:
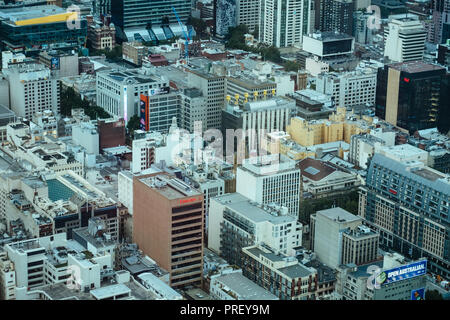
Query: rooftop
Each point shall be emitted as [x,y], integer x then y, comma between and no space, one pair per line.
[338,214]
[252,210]
[416,67]
[170,187]
[417,172]
[330,36]
[25,13]
[109,291]
[243,287]
[315,169]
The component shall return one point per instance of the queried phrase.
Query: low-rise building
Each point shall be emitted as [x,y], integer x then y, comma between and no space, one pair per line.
[232,285]
[290,279]
[323,179]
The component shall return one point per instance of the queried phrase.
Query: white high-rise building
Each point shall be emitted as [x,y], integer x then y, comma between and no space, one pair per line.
[284,22]
[270,179]
[349,88]
[118,92]
[32,89]
[404,38]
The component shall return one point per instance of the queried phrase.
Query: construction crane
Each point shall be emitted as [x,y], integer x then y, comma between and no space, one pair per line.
[187,35]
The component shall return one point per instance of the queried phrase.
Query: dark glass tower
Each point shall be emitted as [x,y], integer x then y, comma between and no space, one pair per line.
[410,94]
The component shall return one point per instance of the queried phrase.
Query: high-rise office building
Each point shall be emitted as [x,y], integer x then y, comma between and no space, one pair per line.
[213,89]
[336,15]
[168,224]
[284,22]
[409,204]
[410,94]
[119,92]
[256,119]
[270,179]
[441,17]
[404,38]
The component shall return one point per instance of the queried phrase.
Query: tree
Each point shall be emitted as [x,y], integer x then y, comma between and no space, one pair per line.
[133,124]
[291,66]
[69,100]
[433,295]
[165,21]
[199,26]
[255,32]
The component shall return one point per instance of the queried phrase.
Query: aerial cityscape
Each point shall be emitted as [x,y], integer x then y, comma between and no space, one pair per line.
[201,150]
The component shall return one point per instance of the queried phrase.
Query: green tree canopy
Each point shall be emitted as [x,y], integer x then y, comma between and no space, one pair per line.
[433,295]
[71,100]
[133,124]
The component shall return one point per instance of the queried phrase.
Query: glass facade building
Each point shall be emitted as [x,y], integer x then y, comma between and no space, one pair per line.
[140,13]
[410,94]
[18,35]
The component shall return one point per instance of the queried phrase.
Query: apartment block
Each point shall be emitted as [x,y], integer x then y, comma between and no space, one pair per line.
[340,126]
[283,23]
[349,89]
[213,89]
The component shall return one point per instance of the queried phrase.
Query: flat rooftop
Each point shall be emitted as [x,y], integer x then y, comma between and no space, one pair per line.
[170,187]
[416,67]
[245,288]
[314,169]
[428,174]
[109,291]
[251,210]
[403,150]
[327,36]
[338,214]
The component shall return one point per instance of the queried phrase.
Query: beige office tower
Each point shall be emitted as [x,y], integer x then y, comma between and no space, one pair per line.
[168,224]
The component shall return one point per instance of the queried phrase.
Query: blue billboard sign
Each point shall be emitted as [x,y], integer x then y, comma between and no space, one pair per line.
[403,272]
[55,63]
[418,294]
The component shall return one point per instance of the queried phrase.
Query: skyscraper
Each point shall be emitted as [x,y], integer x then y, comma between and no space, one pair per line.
[247,12]
[284,22]
[336,15]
